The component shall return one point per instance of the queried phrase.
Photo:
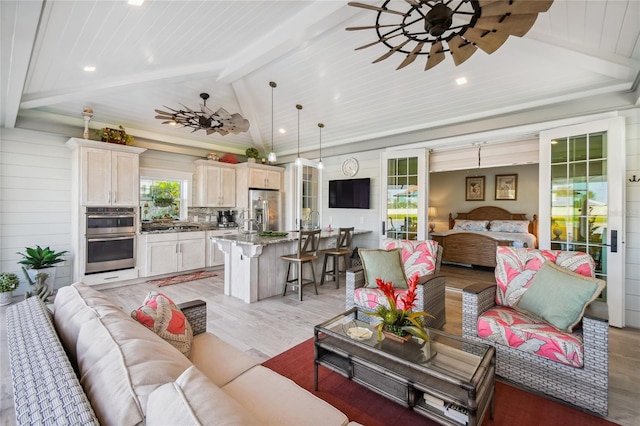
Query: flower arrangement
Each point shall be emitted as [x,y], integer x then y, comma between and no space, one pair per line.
[118,135]
[252,153]
[400,322]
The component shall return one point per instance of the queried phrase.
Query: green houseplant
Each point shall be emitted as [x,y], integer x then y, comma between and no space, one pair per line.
[252,153]
[38,265]
[8,282]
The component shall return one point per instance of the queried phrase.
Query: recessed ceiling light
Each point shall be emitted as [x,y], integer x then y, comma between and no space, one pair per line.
[89,68]
[136,2]
[283,131]
[461,81]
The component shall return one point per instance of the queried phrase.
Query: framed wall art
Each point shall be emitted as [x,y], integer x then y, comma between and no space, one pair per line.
[506,187]
[475,188]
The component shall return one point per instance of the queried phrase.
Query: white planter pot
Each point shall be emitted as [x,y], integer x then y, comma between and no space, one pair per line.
[6,298]
[51,278]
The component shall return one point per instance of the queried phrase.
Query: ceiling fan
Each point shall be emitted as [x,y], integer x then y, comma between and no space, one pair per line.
[434,27]
[206,119]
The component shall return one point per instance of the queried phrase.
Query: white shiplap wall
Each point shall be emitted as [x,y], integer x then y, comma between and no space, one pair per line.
[632,234]
[35,199]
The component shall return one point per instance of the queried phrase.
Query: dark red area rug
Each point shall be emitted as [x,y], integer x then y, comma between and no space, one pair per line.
[513,406]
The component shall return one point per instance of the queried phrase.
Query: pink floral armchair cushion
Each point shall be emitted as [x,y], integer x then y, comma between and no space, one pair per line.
[509,327]
[372,298]
[417,256]
[516,267]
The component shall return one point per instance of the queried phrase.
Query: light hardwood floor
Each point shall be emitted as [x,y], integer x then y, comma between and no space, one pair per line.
[272,326]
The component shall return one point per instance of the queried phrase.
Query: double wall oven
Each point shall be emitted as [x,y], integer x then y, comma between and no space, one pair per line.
[111,239]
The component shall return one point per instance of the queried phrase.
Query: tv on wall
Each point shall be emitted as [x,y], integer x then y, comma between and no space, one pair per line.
[349,193]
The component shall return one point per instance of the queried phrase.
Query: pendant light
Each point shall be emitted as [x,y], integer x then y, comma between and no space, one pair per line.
[298,162]
[272,155]
[320,165]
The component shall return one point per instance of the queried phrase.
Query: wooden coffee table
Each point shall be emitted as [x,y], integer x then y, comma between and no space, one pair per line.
[451,381]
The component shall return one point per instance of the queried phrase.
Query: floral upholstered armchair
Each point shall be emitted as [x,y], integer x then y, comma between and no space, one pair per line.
[398,261]
[541,317]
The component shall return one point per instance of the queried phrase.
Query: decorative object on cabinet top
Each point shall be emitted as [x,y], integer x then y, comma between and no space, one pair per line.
[252,154]
[229,158]
[118,136]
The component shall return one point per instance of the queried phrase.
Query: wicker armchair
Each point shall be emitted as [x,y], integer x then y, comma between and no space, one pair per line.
[584,386]
[431,293]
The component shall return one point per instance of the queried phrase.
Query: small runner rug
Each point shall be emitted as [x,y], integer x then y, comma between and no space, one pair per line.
[513,406]
[183,278]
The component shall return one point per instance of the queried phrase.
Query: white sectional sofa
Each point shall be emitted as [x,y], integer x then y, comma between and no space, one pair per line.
[89,362]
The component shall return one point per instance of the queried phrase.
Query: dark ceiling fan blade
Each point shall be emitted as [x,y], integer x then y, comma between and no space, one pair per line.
[411,56]
[370,27]
[516,25]
[376,8]
[486,40]
[414,3]
[436,55]
[383,39]
[164,117]
[461,50]
[391,52]
[514,7]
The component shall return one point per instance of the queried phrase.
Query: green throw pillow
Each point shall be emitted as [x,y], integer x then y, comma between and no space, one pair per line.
[385,264]
[559,296]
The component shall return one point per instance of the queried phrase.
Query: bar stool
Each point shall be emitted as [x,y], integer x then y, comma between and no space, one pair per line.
[308,242]
[342,249]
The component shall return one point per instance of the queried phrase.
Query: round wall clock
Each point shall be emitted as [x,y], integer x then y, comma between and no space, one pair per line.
[350,167]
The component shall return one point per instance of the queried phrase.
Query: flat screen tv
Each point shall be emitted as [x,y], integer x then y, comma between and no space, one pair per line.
[349,193]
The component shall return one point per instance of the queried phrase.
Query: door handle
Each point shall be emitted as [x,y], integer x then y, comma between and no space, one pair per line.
[383,227]
[614,241]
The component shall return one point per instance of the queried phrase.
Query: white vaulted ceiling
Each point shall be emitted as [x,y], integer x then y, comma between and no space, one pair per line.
[580,57]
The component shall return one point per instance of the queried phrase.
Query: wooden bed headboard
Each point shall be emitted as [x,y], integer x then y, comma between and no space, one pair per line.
[495,213]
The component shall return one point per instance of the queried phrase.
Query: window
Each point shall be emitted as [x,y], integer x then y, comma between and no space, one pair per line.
[164,194]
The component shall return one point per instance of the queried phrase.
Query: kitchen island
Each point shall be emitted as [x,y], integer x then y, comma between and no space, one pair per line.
[253,269]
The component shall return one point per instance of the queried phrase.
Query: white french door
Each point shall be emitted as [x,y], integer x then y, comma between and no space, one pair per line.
[582,200]
[308,189]
[404,194]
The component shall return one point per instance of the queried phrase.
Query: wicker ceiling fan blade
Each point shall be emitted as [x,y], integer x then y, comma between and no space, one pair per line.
[369,27]
[411,56]
[461,50]
[383,39]
[516,25]
[414,3]
[436,55]
[391,52]
[514,7]
[376,8]
[164,117]
[488,41]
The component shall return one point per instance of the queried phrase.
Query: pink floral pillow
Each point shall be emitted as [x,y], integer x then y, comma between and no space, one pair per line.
[470,225]
[161,315]
[417,256]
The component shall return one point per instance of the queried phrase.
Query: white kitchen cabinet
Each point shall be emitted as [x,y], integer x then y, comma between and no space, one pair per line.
[255,176]
[172,252]
[215,256]
[215,184]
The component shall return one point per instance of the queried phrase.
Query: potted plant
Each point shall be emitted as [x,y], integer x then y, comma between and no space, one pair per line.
[252,154]
[38,265]
[118,135]
[8,282]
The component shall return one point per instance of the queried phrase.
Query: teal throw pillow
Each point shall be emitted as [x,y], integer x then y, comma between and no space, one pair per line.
[385,264]
[559,296]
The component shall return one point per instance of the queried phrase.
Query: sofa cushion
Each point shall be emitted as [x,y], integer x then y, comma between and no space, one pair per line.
[508,327]
[121,362]
[559,296]
[266,400]
[384,264]
[418,256]
[193,399]
[372,298]
[160,314]
[218,360]
[516,267]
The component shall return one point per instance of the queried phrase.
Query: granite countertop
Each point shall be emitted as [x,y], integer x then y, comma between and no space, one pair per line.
[181,226]
[256,239]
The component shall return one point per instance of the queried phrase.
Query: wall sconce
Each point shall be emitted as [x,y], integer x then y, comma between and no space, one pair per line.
[432,213]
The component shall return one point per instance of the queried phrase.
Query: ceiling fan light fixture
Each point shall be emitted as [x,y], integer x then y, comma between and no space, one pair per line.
[459,27]
[220,121]
[272,158]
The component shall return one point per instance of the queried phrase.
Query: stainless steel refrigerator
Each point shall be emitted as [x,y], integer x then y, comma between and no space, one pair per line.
[265,208]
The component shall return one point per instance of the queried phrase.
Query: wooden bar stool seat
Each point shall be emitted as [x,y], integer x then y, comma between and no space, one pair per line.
[342,249]
[307,252]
